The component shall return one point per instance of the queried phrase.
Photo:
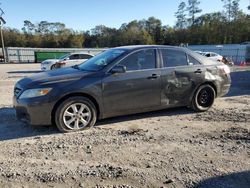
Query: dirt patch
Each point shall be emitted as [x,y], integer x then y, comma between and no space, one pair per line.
[229,114]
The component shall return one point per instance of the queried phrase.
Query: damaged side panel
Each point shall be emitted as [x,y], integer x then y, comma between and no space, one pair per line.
[180,83]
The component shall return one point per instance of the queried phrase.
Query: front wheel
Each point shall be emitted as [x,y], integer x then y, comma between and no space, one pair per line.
[75,114]
[203,98]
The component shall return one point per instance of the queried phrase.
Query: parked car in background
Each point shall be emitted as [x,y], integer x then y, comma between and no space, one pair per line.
[199,52]
[120,81]
[65,61]
[228,61]
[213,56]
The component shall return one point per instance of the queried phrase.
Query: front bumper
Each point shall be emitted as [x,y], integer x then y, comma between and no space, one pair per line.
[45,67]
[33,112]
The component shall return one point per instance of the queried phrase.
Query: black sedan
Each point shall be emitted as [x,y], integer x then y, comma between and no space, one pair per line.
[120,81]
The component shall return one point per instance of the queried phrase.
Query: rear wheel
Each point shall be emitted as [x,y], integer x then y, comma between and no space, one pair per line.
[75,114]
[203,98]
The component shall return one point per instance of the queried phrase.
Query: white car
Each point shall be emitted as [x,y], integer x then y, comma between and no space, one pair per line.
[65,61]
[214,56]
[199,52]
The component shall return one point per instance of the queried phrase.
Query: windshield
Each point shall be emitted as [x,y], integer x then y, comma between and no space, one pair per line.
[64,56]
[103,59]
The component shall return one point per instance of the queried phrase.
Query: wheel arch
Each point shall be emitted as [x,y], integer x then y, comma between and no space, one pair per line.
[51,66]
[212,84]
[91,98]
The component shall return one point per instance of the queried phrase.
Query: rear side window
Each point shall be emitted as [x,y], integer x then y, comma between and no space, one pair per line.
[193,60]
[173,58]
[85,56]
[75,56]
[141,60]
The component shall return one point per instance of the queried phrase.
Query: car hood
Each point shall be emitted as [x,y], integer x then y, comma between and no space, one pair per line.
[51,77]
[51,60]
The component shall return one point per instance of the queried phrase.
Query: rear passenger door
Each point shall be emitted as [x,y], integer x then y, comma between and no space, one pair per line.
[180,75]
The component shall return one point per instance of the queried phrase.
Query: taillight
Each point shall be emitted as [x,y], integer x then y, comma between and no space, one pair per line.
[225,69]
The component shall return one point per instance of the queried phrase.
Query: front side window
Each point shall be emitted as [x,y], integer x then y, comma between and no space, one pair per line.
[173,58]
[140,60]
[64,57]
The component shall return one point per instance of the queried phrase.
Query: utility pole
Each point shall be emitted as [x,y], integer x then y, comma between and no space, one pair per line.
[2,22]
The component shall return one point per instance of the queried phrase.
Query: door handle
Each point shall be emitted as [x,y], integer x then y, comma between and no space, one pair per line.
[153,76]
[198,71]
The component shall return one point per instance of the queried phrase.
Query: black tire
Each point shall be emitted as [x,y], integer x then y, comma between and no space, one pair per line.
[53,67]
[203,98]
[65,106]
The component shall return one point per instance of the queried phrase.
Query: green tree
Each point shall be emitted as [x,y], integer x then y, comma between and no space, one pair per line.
[133,33]
[235,9]
[28,27]
[154,28]
[231,8]
[193,9]
[13,37]
[181,16]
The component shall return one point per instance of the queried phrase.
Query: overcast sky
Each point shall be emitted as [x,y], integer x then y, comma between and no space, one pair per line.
[86,14]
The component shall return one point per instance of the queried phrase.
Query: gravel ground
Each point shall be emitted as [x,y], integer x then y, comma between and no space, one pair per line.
[173,148]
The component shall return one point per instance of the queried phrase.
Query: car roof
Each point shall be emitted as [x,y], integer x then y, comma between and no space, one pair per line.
[135,47]
[80,53]
[211,53]
[199,57]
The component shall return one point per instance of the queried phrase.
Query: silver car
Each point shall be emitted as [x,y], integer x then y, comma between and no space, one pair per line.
[65,61]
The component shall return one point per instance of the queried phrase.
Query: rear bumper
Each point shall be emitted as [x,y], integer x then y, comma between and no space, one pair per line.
[224,90]
[224,86]
[33,113]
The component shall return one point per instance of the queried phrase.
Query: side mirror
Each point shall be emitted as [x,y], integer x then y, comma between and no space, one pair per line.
[118,69]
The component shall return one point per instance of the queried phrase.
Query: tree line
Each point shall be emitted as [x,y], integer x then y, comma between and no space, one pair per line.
[231,25]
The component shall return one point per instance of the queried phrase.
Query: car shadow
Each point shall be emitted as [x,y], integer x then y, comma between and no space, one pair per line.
[11,128]
[160,113]
[234,180]
[24,72]
[240,84]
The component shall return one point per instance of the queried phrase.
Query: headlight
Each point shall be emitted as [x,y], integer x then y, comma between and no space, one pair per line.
[45,62]
[30,93]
